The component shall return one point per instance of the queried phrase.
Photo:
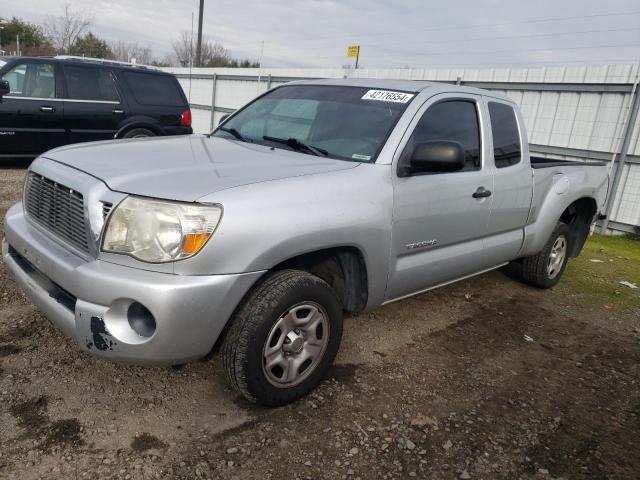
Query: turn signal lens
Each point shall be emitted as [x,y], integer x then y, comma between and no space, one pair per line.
[193,242]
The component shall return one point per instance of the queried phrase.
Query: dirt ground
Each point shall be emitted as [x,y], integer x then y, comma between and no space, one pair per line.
[485,379]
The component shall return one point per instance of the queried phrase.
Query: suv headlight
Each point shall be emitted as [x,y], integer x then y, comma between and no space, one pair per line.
[159,231]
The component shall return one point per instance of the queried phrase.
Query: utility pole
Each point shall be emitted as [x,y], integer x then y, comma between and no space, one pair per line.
[199,46]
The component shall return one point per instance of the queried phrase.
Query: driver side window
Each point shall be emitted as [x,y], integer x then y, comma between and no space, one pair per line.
[35,80]
[451,121]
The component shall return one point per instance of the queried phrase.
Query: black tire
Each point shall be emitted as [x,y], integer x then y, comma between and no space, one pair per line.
[535,269]
[139,133]
[252,326]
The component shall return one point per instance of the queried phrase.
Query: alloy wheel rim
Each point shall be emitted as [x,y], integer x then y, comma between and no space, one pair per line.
[556,257]
[295,345]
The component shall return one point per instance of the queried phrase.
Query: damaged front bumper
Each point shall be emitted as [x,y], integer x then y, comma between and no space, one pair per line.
[90,300]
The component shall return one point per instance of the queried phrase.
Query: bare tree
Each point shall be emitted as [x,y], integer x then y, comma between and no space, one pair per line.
[167,60]
[65,29]
[126,52]
[183,49]
[212,55]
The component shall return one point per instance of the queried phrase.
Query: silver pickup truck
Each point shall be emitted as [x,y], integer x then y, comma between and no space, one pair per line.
[316,199]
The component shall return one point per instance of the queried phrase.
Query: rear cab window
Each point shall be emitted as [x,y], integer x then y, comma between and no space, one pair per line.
[154,89]
[507,150]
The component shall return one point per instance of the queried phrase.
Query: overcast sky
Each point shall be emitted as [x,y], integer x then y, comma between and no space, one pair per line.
[416,33]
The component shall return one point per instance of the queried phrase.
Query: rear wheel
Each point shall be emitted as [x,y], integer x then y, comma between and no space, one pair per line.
[139,133]
[283,338]
[545,269]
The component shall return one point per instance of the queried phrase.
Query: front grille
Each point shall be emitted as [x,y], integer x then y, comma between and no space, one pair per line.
[58,208]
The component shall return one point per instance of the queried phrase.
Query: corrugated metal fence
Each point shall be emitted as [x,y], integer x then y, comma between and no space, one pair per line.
[570,112]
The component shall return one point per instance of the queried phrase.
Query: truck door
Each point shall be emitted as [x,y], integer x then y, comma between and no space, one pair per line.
[512,182]
[440,219]
[31,114]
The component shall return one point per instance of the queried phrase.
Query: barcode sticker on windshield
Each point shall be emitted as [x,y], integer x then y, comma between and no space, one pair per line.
[388,96]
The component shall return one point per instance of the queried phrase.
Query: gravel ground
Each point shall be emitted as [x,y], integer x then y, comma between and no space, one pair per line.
[483,379]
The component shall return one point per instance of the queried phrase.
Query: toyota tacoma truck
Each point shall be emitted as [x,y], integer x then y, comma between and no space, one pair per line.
[315,200]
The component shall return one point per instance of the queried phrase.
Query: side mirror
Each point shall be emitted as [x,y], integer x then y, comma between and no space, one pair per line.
[5,88]
[223,118]
[437,156]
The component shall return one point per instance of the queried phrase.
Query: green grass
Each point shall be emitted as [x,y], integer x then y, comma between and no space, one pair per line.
[599,283]
[623,246]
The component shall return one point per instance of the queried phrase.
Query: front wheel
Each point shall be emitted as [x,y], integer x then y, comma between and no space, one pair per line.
[283,338]
[544,269]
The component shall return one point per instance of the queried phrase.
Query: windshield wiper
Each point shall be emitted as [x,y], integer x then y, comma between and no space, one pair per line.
[297,145]
[235,133]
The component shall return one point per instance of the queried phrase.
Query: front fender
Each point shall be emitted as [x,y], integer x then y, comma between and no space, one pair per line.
[268,223]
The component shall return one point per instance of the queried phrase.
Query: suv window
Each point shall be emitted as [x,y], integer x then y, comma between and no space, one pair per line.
[90,83]
[152,89]
[454,121]
[506,138]
[35,80]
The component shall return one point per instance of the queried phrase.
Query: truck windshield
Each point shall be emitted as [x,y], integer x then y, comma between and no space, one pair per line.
[347,123]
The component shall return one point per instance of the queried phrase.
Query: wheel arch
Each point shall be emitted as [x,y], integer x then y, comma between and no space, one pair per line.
[344,268]
[577,212]
[139,124]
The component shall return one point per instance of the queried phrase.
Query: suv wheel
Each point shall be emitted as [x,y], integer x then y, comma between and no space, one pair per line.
[139,133]
[545,269]
[283,339]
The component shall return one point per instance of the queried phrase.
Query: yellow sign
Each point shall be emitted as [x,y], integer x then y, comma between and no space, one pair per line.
[353,51]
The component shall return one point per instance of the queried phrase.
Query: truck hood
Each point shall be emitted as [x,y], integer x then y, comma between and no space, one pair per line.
[187,168]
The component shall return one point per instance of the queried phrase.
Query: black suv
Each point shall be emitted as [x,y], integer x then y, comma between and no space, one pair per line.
[60,100]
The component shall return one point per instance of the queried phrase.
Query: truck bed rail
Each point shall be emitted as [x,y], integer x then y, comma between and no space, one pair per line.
[542,162]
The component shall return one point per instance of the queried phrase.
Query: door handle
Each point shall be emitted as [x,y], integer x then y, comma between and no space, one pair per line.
[117,111]
[47,109]
[481,193]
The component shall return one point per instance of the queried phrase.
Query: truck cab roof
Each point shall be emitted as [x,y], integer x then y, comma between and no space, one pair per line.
[412,86]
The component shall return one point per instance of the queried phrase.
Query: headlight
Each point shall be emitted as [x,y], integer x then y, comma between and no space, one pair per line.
[159,231]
